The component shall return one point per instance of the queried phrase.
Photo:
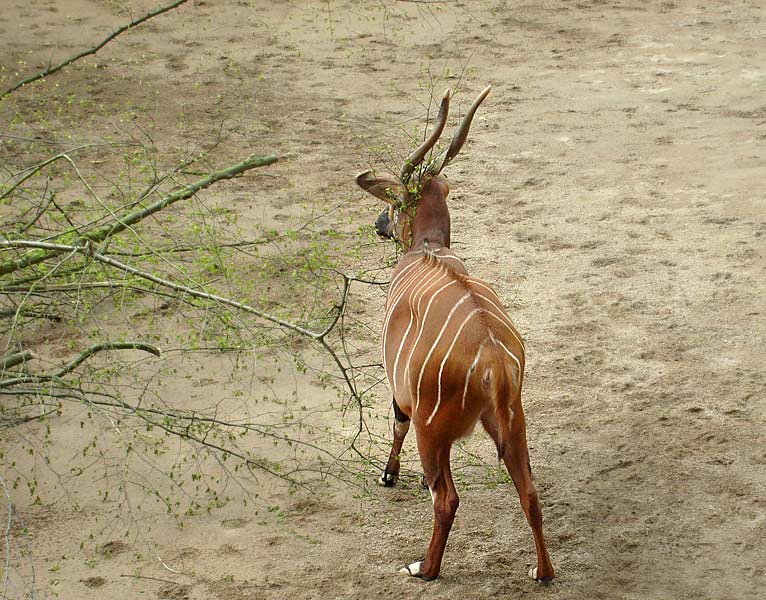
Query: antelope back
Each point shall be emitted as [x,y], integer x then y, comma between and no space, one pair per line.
[448,345]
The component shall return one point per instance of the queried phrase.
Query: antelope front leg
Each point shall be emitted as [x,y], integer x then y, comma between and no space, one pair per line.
[401,427]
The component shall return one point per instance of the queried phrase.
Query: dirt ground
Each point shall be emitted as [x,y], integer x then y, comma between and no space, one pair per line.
[611,191]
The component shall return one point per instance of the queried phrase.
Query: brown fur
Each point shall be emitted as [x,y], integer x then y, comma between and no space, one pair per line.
[451,354]
[494,390]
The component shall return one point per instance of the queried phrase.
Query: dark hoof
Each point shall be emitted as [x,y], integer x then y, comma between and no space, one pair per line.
[543,580]
[387,480]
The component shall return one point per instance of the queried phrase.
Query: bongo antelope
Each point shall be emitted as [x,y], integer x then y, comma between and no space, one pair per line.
[451,354]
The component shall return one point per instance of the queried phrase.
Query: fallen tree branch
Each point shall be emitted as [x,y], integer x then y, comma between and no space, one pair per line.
[79,359]
[94,49]
[165,423]
[99,234]
[190,418]
[87,249]
[319,337]
[15,312]
[15,358]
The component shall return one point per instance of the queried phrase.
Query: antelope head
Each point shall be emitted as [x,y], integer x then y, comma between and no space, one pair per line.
[416,200]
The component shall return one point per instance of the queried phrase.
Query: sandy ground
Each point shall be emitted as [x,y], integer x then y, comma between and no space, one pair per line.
[612,192]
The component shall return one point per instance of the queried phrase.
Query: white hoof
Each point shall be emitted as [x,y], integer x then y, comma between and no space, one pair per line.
[386,480]
[412,570]
[533,573]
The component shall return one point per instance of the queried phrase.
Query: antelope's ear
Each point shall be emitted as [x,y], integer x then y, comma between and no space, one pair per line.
[386,187]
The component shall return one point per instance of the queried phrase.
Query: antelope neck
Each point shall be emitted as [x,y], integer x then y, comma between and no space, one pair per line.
[432,216]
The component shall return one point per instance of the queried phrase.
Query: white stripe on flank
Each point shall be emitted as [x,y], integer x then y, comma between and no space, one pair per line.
[470,372]
[412,279]
[436,342]
[481,283]
[511,354]
[395,295]
[392,284]
[508,326]
[506,320]
[423,327]
[421,287]
[444,360]
[390,309]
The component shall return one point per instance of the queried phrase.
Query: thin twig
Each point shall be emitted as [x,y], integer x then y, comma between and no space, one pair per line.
[7,569]
[32,171]
[150,578]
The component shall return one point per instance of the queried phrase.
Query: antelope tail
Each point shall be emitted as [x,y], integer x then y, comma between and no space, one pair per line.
[505,385]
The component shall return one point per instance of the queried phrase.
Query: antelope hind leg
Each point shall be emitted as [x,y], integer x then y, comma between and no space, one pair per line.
[516,459]
[445,500]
